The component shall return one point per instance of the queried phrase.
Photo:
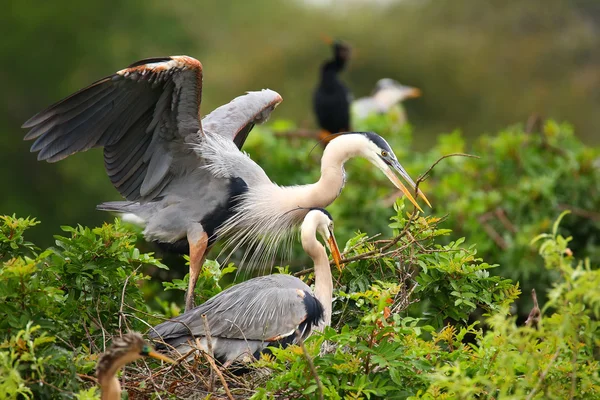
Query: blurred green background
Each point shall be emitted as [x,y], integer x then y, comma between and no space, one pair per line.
[482,65]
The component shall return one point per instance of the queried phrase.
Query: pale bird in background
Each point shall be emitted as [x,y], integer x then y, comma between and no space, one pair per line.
[270,310]
[386,97]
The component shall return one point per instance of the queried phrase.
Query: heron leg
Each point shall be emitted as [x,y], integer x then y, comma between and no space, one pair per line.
[198,249]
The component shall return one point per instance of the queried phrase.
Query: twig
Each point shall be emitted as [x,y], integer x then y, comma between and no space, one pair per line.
[299,133]
[211,361]
[123,298]
[543,375]
[211,380]
[88,378]
[492,233]
[311,364]
[580,212]
[501,214]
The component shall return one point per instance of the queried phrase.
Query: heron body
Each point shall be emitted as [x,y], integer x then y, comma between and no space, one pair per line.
[187,183]
[387,95]
[266,311]
[126,349]
[331,100]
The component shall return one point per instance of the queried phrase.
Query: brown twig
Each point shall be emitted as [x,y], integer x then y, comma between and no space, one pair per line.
[311,365]
[492,233]
[543,375]
[580,212]
[123,298]
[501,214]
[298,133]
[211,361]
[211,382]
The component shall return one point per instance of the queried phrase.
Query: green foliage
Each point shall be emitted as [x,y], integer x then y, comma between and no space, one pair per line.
[391,355]
[57,306]
[513,191]
[421,309]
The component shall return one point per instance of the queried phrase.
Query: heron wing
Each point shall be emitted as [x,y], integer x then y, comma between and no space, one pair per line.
[236,119]
[143,116]
[267,308]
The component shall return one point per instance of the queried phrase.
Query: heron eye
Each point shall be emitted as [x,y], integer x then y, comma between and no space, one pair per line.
[384,153]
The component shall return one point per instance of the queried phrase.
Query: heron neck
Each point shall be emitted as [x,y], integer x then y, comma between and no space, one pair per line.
[323,281]
[329,186]
[110,388]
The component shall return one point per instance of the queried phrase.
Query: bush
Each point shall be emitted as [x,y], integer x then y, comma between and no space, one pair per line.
[422,310]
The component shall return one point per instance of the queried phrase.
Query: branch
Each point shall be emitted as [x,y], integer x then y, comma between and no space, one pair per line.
[299,133]
[580,212]
[543,375]
[209,358]
[311,365]
[211,380]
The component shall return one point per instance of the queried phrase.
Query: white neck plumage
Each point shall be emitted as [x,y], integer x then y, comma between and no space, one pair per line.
[323,281]
[268,213]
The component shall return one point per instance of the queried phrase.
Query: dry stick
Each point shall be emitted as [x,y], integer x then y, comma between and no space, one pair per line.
[300,133]
[543,375]
[211,379]
[311,365]
[581,212]
[123,298]
[209,358]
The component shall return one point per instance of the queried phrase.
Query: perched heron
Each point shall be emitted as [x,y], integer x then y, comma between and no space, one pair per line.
[124,350]
[331,99]
[270,310]
[388,93]
[186,178]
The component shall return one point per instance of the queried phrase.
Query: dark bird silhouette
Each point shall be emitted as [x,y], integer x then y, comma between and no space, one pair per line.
[331,100]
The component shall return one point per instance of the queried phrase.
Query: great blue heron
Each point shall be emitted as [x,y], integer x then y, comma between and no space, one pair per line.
[387,94]
[126,349]
[331,99]
[189,185]
[248,317]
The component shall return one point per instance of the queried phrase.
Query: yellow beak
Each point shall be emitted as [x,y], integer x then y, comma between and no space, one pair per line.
[413,93]
[161,357]
[398,183]
[335,251]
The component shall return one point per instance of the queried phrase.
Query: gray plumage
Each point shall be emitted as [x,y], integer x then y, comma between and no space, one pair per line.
[183,182]
[248,317]
[243,319]
[387,95]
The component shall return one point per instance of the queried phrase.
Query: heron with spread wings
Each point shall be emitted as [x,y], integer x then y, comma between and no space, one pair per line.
[185,177]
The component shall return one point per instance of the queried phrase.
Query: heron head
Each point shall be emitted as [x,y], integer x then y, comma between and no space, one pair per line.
[126,349]
[380,154]
[393,91]
[324,227]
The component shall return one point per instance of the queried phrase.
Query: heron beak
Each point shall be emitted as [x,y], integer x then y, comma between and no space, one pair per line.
[392,177]
[161,357]
[413,93]
[335,251]
[326,39]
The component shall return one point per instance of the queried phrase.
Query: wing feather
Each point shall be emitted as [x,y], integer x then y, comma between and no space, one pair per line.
[263,309]
[148,108]
[236,119]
